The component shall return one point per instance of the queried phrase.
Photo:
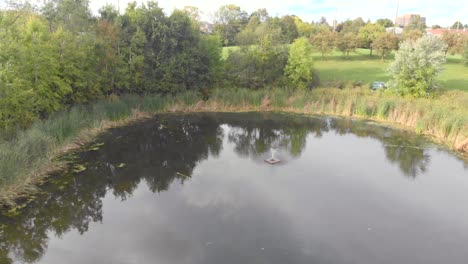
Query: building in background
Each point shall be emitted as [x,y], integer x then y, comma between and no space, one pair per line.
[405,20]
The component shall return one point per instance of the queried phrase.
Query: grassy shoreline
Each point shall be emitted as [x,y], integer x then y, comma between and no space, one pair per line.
[28,159]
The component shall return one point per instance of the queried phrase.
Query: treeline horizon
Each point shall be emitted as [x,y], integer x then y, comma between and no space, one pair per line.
[61,54]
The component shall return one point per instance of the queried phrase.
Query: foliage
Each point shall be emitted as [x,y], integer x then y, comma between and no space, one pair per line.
[324,42]
[457,25]
[62,56]
[416,66]
[412,34]
[347,42]
[369,33]
[385,43]
[229,21]
[384,22]
[465,55]
[257,66]
[455,42]
[300,64]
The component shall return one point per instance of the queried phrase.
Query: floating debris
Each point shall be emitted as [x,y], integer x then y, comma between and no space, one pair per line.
[121,165]
[78,168]
[96,146]
[183,175]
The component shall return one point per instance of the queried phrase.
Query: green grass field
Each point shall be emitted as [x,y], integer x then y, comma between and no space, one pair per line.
[360,66]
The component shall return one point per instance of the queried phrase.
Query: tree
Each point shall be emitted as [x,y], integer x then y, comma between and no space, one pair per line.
[369,33]
[385,43]
[324,42]
[455,42]
[303,28]
[412,34]
[465,55]
[300,64]
[347,42]
[416,66]
[288,29]
[436,26]
[353,26]
[229,21]
[457,25]
[385,22]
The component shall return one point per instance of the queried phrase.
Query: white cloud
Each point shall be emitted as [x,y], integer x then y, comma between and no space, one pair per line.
[444,13]
[436,11]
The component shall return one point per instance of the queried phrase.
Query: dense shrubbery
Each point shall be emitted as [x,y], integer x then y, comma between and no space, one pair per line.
[63,56]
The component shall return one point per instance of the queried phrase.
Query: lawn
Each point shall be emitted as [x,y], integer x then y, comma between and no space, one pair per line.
[334,68]
[361,67]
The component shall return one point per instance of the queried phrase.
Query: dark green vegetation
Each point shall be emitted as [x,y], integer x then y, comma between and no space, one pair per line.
[178,179]
[64,56]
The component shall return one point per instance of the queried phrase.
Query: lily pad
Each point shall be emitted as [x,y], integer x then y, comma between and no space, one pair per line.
[78,168]
[95,147]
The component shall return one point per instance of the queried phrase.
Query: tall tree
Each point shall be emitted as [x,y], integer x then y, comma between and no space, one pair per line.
[369,33]
[385,43]
[385,22]
[229,20]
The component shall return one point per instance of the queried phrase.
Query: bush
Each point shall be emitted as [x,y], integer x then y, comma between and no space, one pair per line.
[416,66]
[300,64]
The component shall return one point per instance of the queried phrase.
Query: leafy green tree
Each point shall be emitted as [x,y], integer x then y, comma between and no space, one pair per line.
[416,66]
[369,33]
[412,34]
[229,21]
[259,65]
[324,42]
[347,42]
[385,22]
[457,25]
[465,54]
[385,44]
[353,26]
[289,30]
[304,29]
[300,64]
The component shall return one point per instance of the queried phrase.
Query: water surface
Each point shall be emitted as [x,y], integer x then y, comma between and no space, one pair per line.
[195,189]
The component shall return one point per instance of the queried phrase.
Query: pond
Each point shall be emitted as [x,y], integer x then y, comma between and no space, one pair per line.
[195,188]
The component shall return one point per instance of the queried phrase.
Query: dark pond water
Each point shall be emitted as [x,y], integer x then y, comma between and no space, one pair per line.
[195,189]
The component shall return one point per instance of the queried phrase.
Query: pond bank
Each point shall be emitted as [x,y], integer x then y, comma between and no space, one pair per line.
[27,160]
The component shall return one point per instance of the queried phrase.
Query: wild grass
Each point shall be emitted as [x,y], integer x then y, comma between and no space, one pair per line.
[29,157]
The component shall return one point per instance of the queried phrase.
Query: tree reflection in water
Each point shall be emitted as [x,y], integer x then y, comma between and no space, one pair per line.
[167,149]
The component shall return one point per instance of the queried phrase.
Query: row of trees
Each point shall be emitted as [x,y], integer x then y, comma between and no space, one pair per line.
[61,55]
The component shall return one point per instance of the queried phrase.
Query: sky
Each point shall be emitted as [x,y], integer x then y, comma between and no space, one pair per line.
[444,12]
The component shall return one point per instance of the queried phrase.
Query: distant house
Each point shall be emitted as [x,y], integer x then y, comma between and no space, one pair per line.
[438,32]
[396,30]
